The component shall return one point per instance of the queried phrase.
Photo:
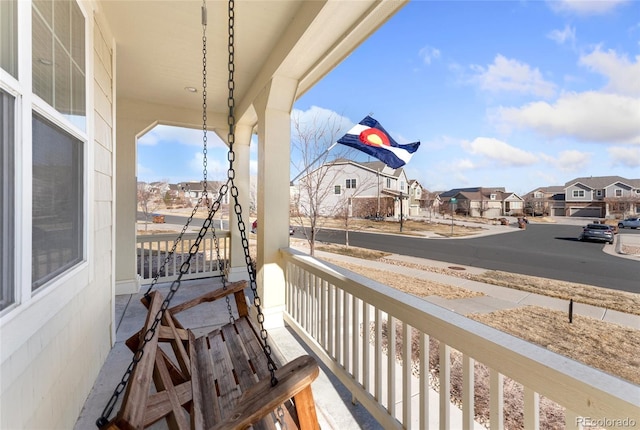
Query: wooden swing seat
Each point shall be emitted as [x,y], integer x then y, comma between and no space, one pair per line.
[217,381]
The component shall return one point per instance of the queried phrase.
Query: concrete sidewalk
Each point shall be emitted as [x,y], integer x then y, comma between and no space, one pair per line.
[495,297]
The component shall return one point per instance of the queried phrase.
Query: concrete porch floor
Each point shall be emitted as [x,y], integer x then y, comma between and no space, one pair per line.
[333,401]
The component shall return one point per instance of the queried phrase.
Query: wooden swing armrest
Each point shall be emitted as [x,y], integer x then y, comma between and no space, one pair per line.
[232,288]
[294,381]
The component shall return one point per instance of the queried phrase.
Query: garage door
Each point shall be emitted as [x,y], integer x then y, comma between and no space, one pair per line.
[558,211]
[586,212]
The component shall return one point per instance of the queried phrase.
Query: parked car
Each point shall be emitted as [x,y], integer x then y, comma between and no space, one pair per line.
[597,232]
[629,223]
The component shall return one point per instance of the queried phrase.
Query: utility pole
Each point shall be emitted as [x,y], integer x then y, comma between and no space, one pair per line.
[401,214]
[453,202]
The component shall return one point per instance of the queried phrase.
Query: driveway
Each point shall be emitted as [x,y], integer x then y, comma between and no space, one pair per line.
[543,250]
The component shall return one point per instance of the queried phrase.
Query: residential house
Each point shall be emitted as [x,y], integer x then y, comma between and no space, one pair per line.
[482,202]
[545,201]
[361,188]
[417,195]
[601,196]
[80,81]
[193,190]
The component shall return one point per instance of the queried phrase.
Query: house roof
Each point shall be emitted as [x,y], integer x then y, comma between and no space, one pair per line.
[601,182]
[553,189]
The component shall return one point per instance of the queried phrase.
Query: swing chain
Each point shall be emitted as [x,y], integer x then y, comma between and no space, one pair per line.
[231,137]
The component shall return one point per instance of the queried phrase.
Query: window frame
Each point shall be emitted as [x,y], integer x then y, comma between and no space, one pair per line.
[9,199]
[350,183]
[337,190]
[577,194]
[27,104]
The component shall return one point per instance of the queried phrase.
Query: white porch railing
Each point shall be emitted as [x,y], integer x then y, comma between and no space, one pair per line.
[343,318]
[153,250]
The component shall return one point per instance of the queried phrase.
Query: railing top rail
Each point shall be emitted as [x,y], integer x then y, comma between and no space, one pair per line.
[141,238]
[580,388]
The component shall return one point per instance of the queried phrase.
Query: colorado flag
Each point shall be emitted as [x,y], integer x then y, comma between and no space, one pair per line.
[369,136]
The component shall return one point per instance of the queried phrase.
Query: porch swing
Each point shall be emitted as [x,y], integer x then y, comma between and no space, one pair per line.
[229,378]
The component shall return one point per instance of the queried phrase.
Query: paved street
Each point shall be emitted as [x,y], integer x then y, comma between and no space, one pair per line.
[544,250]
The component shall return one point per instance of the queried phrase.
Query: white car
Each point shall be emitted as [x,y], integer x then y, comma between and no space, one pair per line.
[629,223]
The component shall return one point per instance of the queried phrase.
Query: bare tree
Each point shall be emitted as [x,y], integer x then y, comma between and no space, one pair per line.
[310,140]
[148,201]
[347,206]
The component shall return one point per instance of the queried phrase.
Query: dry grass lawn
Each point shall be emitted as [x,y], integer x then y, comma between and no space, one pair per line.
[609,347]
[603,297]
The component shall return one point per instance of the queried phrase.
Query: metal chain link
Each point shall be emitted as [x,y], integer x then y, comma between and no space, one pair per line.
[231,137]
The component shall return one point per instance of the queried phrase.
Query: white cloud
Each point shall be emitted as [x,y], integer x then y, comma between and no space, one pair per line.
[316,118]
[508,75]
[185,136]
[589,116]
[429,53]
[567,35]
[625,156]
[623,74]
[500,152]
[216,169]
[569,161]
[585,7]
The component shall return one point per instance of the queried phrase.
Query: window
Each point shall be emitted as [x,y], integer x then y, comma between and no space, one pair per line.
[492,196]
[598,193]
[578,193]
[538,195]
[7,205]
[58,58]
[9,37]
[388,182]
[618,192]
[57,229]
[401,185]
[351,183]
[336,189]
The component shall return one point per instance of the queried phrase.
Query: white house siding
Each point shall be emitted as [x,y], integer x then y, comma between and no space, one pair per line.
[366,186]
[54,343]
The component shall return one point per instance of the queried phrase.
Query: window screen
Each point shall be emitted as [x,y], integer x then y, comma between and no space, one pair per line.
[58,58]
[9,37]
[57,201]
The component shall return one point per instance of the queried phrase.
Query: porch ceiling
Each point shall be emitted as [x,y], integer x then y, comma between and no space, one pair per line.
[159,46]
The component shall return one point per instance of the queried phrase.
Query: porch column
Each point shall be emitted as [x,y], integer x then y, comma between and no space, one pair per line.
[273,106]
[241,148]
[127,279]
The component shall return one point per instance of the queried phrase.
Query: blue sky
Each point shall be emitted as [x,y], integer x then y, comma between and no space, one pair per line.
[518,94]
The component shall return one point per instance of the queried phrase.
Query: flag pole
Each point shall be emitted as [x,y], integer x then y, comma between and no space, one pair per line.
[313,162]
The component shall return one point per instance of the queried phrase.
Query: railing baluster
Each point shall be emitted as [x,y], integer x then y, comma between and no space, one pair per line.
[468,379]
[496,400]
[331,321]
[355,340]
[531,409]
[366,347]
[572,421]
[406,374]
[338,326]
[378,355]
[424,381]
[346,331]
[391,365]
[444,377]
